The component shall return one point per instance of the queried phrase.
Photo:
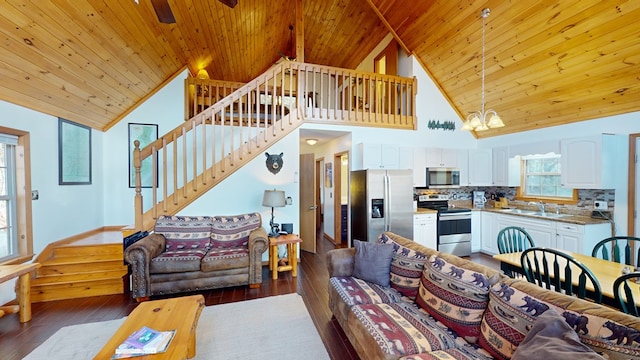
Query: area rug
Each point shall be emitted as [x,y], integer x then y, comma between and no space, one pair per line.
[276,327]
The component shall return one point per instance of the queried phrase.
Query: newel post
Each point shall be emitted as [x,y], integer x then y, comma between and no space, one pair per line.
[138,198]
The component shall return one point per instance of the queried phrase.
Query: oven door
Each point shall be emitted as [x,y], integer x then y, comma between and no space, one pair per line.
[454,233]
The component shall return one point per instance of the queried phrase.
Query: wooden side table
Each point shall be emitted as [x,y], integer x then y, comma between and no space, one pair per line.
[23,273]
[292,241]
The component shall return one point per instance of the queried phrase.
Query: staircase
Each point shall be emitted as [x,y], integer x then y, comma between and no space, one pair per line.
[229,124]
[88,264]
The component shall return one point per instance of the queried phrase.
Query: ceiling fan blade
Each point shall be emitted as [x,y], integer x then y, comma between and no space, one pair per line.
[230,3]
[163,11]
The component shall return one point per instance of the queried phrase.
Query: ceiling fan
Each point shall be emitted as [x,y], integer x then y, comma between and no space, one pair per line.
[165,15]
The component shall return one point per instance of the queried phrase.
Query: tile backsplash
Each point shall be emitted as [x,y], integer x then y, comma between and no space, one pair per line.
[584,206]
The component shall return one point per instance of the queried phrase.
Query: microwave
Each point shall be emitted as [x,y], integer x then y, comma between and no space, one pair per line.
[442,178]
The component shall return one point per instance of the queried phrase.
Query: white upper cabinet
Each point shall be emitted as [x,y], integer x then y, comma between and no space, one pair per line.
[437,157]
[378,156]
[500,166]
[480,167]
[419,167]
[590,162]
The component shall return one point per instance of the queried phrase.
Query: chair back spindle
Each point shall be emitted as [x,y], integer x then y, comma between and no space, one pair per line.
[558,271]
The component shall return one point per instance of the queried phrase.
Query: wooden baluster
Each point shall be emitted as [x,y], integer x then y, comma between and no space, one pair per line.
[164,175]
[154,180]
[138,196]
[174,140]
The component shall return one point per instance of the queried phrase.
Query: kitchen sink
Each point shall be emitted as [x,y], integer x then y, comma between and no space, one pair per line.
[535,213]
[520,211]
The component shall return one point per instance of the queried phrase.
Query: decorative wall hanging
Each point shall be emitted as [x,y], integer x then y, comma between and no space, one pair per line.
[328,175]
[445,125]
[74,153]
[274,162]
[146,134]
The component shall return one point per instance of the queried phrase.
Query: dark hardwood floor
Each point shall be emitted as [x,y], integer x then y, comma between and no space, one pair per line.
[17,340]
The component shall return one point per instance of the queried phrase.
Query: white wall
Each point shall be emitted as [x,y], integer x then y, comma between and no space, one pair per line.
[61,210]
[166,109]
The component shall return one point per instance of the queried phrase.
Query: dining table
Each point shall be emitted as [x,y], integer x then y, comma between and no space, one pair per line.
[605,271]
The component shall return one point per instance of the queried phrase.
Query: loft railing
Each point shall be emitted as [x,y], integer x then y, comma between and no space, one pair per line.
[223,135]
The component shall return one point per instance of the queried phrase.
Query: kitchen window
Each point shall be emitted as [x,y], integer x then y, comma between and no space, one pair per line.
[541,178]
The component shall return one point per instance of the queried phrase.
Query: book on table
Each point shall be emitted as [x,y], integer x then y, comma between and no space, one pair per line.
[145,341]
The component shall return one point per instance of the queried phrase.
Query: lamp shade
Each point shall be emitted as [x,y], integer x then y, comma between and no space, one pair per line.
[273,198]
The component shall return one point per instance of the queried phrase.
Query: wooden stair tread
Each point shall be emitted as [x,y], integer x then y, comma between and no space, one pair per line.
[79,277]
[82,259]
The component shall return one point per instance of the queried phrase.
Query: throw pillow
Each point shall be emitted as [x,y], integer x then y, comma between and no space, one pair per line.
[552,338]
[372,262]
[509,317]
[406,267]
[454,295]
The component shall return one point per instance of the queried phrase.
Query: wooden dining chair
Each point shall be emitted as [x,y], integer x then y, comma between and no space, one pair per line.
[621,249]
[628,284]
[549,268]
[513,239]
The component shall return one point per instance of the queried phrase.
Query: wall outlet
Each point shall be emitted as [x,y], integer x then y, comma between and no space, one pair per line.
[600,205]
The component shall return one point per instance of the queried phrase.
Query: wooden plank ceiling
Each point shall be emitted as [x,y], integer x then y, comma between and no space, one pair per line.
[547,62]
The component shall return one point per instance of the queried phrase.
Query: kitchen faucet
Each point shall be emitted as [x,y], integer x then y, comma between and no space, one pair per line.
[540,205]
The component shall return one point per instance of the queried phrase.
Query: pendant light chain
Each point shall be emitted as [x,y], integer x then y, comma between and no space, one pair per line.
[483,119]
[485,13]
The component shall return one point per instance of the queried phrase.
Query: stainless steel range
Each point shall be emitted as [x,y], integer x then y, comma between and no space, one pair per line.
[454,224]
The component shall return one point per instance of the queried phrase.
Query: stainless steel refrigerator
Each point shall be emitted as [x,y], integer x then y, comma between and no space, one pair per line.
[381,200]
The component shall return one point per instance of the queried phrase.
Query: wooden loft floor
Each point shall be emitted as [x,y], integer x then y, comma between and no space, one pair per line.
[17,340]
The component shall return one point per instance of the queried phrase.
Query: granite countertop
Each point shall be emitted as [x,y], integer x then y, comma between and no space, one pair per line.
[569,218]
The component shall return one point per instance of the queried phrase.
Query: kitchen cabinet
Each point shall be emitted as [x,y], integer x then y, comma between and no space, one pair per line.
[438,157]
[419,167]
[549,233]
[543,232]
[480,167]
[489,243]
[500,166]
[425,230]
[377,156]
[476,231]
[580,238]
[590,162]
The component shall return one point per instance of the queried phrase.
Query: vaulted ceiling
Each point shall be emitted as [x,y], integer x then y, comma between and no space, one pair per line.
[547,62]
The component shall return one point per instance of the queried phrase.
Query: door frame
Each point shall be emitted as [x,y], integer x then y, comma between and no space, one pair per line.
[337,196]
[319,184]
[632,190]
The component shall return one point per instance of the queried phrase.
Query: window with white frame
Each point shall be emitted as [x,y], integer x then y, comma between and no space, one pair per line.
[8,227]
[542,177]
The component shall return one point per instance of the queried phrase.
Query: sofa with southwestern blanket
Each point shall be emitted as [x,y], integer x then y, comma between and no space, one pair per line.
[191,253]
[434,305]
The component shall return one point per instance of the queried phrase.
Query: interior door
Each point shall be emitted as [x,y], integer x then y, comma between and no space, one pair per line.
[308,205]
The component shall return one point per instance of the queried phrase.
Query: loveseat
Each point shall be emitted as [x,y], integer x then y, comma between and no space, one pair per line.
[185,254]
[440,306]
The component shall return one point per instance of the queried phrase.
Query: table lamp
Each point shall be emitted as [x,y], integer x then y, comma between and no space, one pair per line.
[273,198]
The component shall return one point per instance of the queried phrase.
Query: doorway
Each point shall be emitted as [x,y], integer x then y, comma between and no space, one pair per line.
[308,204]
[340,203]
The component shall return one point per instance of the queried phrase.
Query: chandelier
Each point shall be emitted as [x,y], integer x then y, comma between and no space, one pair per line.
[483,120]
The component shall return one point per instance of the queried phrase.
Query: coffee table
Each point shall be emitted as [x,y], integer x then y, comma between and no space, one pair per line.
[180,314]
